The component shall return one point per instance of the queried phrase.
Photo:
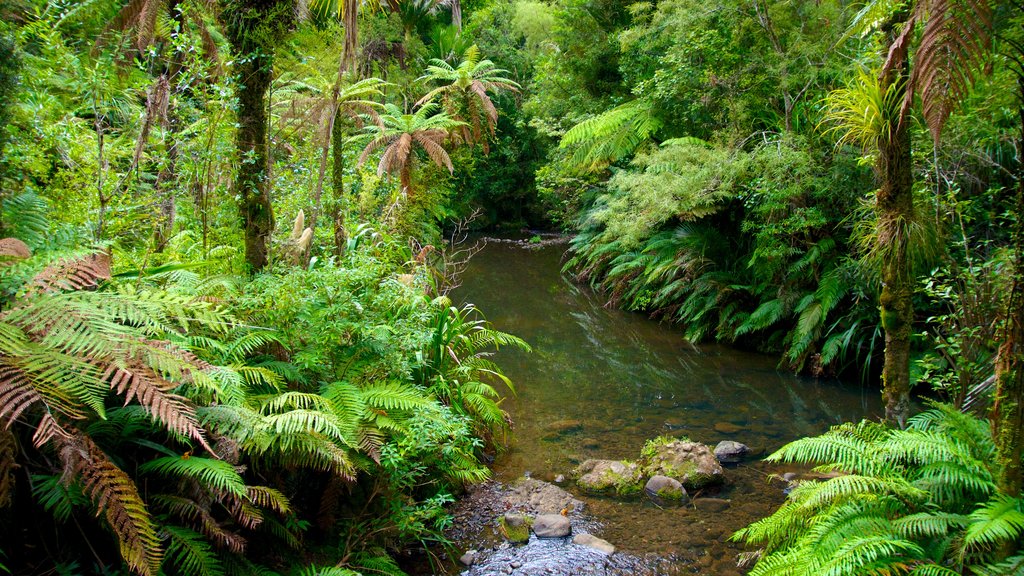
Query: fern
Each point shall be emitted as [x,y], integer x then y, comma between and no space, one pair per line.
[610,136]
[216,474]
[190,553]
[919,502]
[998,521]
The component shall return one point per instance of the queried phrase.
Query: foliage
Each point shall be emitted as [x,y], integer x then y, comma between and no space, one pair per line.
[921,500]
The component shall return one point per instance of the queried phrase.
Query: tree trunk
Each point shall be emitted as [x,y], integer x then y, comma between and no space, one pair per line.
[339,203]
[1007,416]
[251,183]
[895,212]
[254,27]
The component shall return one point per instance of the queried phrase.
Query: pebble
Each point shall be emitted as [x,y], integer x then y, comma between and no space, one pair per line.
[560,478]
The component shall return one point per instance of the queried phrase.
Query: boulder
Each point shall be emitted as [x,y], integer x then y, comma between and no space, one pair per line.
[666,488]
[729,452]
[515,527]
[561,428]
[620,476]
[691,463]
[591,541]
[536,497]
[551,526]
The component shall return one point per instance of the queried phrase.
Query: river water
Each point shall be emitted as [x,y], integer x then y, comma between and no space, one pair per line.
[600,382]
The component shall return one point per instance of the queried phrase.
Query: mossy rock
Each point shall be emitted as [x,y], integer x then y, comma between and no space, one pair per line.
[619,476]
[515,527]
[693,464]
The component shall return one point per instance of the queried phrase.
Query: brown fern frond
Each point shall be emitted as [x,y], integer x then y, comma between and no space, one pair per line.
[243,512]
[330,499]
[956,41]
[114,495]
[47,429]
[142,383]
[13,249]
[85,273]
[269,498]
[16,394]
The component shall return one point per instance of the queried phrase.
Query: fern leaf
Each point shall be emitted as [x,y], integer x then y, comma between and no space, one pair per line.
[216,474]
[190,553]
[999,520]
[114,494]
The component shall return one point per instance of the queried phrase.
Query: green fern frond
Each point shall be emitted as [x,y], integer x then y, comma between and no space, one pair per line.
[999,520]
[190,553]
[393,396]
[216,474]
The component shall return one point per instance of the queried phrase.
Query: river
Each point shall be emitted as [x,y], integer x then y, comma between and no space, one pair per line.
[610,380]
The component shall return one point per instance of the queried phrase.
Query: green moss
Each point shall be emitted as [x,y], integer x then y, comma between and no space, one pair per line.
[650,449]
[516,534]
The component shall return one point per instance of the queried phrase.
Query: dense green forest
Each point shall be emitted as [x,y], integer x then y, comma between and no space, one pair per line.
[229,229]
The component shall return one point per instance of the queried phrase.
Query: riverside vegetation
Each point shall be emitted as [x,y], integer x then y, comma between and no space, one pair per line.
[228,229]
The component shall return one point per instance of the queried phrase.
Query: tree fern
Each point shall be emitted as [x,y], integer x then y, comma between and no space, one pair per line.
[610,136]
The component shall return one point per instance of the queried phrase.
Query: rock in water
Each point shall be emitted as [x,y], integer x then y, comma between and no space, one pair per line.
[729,452]
[551,526]
[591,541]
[468,558]
[602,475]
[515,527]
[691,463]
[666,488]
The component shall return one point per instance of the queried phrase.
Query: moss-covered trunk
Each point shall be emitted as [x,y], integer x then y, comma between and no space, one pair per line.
[895,212]
[1008,410]
[339,204]
[252,185]
[254,27]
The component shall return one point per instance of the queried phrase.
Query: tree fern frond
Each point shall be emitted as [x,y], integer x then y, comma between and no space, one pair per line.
[1000,520]
[114,494]
[610,136]
[190,553]
[956,40]
[216,474]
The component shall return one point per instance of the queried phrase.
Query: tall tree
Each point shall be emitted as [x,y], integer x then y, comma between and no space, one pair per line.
[254,27]
[894,205]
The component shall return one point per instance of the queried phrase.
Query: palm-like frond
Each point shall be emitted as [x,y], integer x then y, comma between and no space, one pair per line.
[956,40]
[611,136]
[399,134]
[463,92]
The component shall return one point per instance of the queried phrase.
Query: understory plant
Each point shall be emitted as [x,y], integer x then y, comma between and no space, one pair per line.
[921,501]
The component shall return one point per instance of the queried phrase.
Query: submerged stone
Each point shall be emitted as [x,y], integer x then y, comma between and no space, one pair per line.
[666,488]
[591,541]
[729,452]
